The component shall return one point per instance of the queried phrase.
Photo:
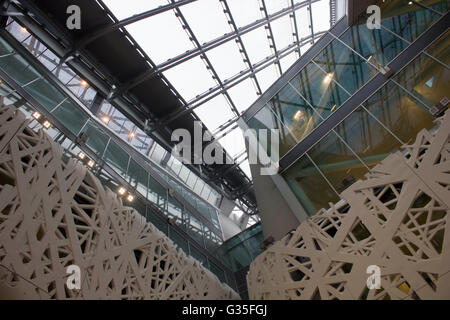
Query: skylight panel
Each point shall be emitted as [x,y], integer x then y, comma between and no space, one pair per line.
[243,94]
[282,32]
[227,60]
[206,19]
[302,16]
[288,61]
[214,113]
[257,45]
[267,77]
[122,11]
[190,78]
[275,6]
[244,11]
[233,142]
[321,15]
[161,36]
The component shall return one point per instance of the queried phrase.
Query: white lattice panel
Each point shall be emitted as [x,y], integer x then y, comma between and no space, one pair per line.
[55,214]
[397,219]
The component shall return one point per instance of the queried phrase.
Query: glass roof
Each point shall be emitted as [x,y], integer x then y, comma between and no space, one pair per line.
[245,45]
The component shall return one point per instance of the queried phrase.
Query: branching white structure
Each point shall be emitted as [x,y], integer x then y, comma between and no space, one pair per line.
[396,219]
[54,214]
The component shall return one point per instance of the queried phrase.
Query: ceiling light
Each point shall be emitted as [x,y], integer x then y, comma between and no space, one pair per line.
[37,115]
[298,115]
[23,29]
[122,191]
[132,135]
[91,163]
[130,198]
[46,124]
[328,78]
[105,119]
[81,155]
[84,83]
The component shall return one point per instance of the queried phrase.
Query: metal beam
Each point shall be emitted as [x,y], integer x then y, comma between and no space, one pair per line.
[101,31]
[270,36]
[190,54]
[231,82]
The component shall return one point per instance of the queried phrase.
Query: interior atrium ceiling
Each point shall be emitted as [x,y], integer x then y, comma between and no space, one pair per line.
[160,65]
[220,55]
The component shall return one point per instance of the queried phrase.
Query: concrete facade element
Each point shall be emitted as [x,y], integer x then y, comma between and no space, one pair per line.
[55,214]
[397,220]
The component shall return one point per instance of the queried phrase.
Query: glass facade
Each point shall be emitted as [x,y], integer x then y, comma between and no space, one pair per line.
[242,249]
[151,183]
[107,113]
[390,117]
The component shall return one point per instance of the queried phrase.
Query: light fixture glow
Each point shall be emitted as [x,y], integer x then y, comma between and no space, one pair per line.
[105,119]
[47,124]
[130,198]
[37,115]
[91,163]
[81,156]
[328,78]
[24,30]
[132,135]
[298,115]
[122,191]
[334,108]
[83,83]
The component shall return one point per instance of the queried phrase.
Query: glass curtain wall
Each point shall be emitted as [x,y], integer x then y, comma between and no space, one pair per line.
[108,114]
[389,118]
[77,121]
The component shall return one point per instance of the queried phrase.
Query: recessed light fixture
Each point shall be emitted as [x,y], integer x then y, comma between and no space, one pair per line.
[81,155]
[46,124]
[130,198]
[106,119]
[132,135]
[91,163]
[36,115]
[84,83]
[328,78]
[24,30]
[122,191]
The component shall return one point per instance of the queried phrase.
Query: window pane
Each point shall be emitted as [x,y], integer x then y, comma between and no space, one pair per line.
[97,139]
[197,255]
[314,84]
[298,117]
[195,229]
[337,162]
[426,79]
[379,46]
[344,66]
[175,210]
[179,241]
[45,93]
[440,49]
[311,189]
[116,158]
[265,119]
[157,194]
[408,21]
[367,137]
[71,116]
[137,177]
[401,113]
